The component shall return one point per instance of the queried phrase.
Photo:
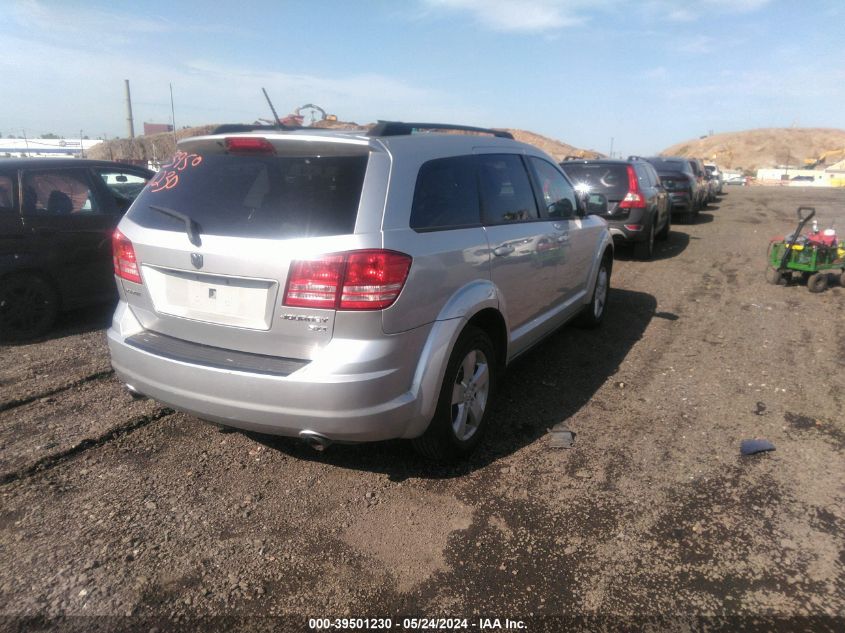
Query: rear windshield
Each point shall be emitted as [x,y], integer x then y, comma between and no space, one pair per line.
[663,163]
[609,179]
[674,181]
[255,196]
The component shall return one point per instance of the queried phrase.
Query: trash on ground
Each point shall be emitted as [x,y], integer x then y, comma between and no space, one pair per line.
[562,438]
[761,408]
[752,447]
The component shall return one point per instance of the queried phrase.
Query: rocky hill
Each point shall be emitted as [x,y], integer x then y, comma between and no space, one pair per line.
[162,146]
[768,147]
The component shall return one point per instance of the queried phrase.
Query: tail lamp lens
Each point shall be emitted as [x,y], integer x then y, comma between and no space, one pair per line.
[123,256]
[634,199]
[356,280]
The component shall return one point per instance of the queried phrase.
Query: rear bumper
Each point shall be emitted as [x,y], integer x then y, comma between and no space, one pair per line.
[620,233]
[352,391]
[679,202]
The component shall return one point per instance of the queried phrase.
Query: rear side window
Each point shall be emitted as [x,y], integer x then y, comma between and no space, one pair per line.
[7,200]
[446,195]
[58,192]
[506,192]
[610,179]
[123,185]
[256,196]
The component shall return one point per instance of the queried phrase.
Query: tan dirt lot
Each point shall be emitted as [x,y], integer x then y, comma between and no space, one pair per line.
[116,507]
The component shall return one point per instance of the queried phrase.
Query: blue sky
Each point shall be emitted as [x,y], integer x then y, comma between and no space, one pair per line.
[647,73]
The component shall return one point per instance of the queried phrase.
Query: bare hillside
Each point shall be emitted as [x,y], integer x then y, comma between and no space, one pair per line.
[162,146]
[767,147]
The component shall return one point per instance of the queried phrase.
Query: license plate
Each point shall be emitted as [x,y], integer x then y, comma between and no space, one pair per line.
[223,300]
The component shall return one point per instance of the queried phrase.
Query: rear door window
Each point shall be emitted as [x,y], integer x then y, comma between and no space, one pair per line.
[557,194]
[446,195]
[7,199]
[58,192]
[256,196]
[506,192]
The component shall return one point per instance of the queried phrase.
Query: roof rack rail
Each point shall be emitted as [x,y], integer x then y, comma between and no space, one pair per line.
[232,128]
[400,128]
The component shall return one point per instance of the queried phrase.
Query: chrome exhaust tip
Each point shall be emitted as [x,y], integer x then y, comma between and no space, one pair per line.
[137,395]
[315,440]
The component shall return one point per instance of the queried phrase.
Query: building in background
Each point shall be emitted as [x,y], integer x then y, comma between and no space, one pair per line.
[45,147]
[156,128]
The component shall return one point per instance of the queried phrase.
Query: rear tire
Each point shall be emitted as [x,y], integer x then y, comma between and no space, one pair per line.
[593,313]
[465,395]
[645,249]
[663,235]
[774,276]
[29,306]
[817,282]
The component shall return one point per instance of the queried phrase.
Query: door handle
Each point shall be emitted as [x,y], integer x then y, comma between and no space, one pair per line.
[503,250]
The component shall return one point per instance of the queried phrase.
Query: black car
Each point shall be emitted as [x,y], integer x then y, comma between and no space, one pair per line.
[57,217]
[637,204]
[687,190]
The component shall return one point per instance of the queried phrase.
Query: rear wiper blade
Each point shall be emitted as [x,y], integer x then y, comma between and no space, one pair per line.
[192,228]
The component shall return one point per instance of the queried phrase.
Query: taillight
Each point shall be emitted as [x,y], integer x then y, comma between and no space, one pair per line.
[357,280]
[314,283]
[249,145]
[123,256]
[634,199]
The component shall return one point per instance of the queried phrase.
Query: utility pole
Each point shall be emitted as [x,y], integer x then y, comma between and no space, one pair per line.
[130,126]
[172,112]
[81,146]
[611,148]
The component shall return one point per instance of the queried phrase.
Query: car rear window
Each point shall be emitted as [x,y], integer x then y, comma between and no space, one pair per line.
[675,165]
[255,196]
[609,179]
[674,181]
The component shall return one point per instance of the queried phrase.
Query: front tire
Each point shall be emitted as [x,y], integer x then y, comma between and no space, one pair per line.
[462,408]
[29,306]
[593,313]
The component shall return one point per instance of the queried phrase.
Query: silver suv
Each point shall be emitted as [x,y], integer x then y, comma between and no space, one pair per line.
[350,286]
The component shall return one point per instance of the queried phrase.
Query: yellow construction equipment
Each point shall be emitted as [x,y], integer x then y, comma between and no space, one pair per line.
[821,159]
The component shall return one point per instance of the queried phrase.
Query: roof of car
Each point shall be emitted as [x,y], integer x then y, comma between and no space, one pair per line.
[422,141]
[48,163]
[597,161]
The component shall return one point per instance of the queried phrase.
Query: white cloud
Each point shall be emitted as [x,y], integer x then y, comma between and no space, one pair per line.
[85,91]
[684,11]
[524,16]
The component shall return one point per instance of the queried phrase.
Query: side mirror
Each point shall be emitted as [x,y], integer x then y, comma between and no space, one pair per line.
[594,203]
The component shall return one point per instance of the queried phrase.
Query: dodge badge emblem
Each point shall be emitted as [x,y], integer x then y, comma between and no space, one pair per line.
[196,260]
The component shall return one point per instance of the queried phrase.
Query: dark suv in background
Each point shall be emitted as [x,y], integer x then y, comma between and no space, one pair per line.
[637,204]
[687,192]
[57,217]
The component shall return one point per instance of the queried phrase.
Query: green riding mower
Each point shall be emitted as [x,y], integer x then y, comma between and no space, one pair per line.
[815,255]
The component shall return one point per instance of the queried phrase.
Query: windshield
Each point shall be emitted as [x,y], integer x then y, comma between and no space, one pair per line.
[610,179]
[255,196]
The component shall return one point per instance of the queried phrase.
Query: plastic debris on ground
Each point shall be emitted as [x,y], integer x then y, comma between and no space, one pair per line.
[752,447]
[562,437]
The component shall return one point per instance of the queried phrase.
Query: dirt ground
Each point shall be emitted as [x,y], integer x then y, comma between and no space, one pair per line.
[115,507]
